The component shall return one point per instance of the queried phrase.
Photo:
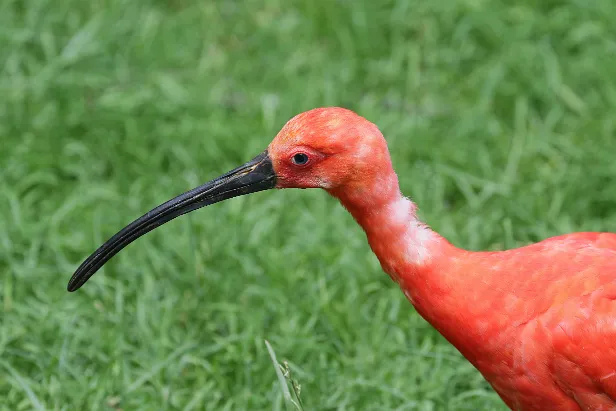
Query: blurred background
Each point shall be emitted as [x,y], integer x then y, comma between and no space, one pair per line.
[500,116]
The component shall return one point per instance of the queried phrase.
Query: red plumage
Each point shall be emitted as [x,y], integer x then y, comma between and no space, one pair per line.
[537,321]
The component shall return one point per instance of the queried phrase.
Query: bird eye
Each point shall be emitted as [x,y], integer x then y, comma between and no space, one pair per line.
[300,159]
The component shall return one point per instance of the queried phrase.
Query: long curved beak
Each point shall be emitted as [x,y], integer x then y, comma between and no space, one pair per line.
[256,175]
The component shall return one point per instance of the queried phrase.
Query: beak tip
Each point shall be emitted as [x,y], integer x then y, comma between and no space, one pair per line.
[74,283]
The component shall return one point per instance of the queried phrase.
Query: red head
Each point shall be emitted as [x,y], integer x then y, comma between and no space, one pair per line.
[335,149]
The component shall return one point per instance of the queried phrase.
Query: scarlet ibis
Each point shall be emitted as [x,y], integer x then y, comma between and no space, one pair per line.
[538,322]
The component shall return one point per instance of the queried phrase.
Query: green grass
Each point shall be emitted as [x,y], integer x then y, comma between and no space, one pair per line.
[501,119]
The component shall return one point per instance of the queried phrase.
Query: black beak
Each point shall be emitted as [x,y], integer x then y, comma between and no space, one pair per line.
[256,175]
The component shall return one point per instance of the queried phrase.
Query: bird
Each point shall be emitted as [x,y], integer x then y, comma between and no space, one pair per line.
[538,321]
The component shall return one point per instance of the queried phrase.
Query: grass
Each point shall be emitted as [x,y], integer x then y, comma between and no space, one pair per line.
[500,119]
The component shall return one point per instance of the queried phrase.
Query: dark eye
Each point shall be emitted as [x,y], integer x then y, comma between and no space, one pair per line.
[300,159]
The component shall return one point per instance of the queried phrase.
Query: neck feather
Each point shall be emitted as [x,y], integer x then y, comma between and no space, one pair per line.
[424,264]
[401,242]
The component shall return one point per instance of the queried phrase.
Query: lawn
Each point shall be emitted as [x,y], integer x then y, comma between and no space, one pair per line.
[501,119]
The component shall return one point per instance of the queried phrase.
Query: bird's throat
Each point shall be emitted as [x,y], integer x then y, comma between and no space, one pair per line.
[413,255]
[424,264]
[400,241]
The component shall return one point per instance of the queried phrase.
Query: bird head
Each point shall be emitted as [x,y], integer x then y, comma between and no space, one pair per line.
[329,148]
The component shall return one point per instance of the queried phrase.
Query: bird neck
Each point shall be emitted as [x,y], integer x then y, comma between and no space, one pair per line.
[433,274]
[401,242]
[414,256]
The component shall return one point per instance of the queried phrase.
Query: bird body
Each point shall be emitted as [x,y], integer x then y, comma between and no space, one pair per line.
[537,321]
